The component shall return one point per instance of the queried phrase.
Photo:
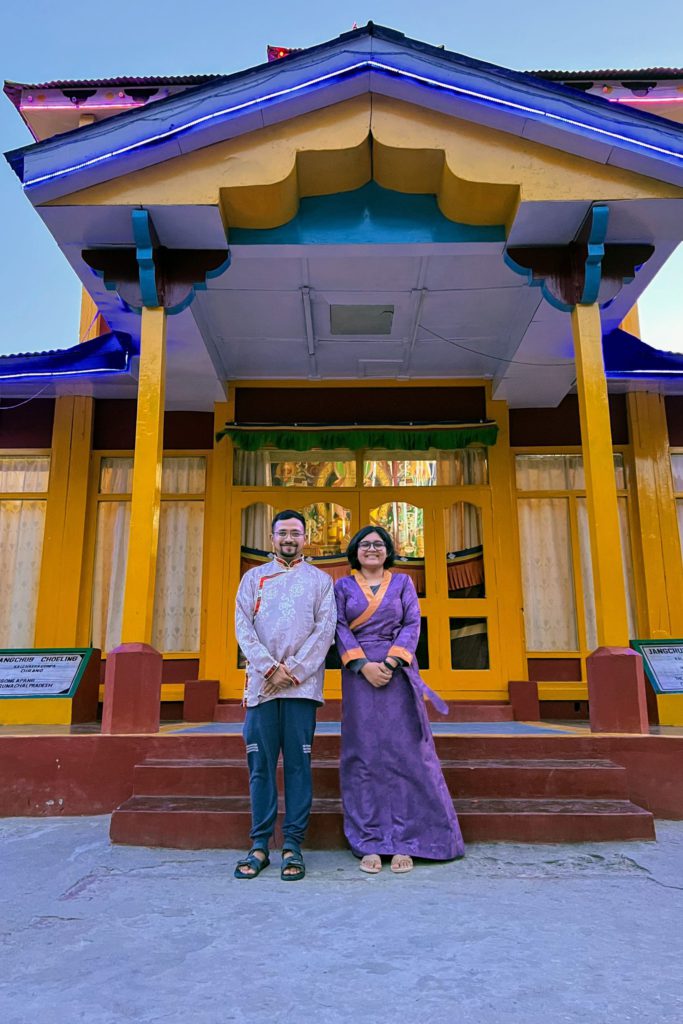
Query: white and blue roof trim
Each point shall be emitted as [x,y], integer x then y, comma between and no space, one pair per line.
[109,354]
[629,358]
[371,58]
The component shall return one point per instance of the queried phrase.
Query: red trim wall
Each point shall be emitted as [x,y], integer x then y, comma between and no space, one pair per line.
[674,418]
[359,405]
[114,427]
[555,670]
[560,426]
[28,426]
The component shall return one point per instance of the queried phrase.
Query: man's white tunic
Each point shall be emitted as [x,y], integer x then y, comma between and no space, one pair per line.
[285,614]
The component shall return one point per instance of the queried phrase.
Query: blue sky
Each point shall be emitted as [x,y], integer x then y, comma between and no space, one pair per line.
[43,41]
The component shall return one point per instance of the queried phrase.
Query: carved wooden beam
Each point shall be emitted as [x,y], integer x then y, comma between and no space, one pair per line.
[586,270]
[152,275]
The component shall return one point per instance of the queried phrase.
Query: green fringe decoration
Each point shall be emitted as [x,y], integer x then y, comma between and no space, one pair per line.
[399,438]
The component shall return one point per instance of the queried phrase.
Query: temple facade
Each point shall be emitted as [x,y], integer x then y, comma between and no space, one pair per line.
[376,282]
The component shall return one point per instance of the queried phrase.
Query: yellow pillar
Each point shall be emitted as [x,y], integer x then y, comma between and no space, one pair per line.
[662,569]
[65,521]
[216,606]
[138,600]
[507,558]
[92,323]
[601,489]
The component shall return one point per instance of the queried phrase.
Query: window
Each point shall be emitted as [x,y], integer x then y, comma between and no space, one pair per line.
[276,468]
[677,473]
[557,579]
[425,469]
[23,503]
[177,605]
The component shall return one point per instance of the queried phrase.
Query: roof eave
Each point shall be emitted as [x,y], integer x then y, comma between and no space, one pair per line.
[220,107]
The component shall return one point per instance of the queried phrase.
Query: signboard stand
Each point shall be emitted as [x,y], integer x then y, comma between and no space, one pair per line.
[49,686]
[663,664]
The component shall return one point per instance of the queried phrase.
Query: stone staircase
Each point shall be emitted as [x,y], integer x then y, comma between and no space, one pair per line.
[202,803]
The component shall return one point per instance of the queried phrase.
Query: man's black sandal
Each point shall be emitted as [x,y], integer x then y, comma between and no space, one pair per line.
[294,860]
[251,861]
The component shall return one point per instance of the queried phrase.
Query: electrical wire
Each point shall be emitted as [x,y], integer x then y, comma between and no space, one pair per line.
[487,355]
[6,409]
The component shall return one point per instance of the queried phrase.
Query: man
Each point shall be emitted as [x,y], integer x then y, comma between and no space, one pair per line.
[285,619]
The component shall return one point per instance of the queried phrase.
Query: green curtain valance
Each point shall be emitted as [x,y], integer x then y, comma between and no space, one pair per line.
[406,437]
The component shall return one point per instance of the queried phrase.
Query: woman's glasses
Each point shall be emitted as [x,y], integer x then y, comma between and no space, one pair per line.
[371,545]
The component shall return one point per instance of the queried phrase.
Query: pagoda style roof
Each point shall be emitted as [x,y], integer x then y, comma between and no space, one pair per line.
[370,174]
[370,58]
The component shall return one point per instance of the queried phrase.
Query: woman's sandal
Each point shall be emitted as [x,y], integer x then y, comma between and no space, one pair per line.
[401,869]
[294,860]
[371,864]
[251,861]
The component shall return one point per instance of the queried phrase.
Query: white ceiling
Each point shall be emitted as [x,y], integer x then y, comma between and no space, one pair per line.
[254,318]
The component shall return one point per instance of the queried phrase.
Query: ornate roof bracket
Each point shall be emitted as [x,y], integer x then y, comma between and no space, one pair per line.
[150,275]
[586,271]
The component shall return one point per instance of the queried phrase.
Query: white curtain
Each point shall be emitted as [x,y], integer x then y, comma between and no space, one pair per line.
[677,470]
[116,475]
[549,472]
[22,526]
[587,570]
[547,577]
[463,526]
[256,528]
[463,467]
[24,473]
[177,607]
[111,553]
[252,469]
[178,593]
[183,474]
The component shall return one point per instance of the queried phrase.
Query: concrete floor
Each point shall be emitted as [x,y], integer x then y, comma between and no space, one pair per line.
[582,934]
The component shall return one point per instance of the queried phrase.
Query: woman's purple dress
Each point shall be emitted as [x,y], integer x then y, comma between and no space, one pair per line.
[394,794]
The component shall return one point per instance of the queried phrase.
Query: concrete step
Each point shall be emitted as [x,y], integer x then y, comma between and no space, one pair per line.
[218,778]
[198,823]
[229,711]
[458,711]
[468,711]
[195,823]
[553,821]
[585,778]
[514,778]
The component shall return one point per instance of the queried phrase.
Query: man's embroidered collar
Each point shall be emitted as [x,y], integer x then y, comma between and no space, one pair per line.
[288,565]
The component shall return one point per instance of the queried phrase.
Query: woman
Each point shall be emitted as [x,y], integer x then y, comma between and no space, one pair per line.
[395,798]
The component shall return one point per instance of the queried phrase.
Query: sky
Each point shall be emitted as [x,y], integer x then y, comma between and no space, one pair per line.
[44,41]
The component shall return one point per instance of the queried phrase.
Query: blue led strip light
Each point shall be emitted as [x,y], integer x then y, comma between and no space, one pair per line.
[66,373]
[364,65]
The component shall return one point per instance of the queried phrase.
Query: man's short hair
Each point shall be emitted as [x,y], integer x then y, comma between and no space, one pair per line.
[352,550]
[288,514]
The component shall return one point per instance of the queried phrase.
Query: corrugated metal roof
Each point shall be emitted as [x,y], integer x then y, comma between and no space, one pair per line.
[622,74]
[14,89]
[108,353]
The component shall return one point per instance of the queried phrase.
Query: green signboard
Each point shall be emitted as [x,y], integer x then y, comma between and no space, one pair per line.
[663,663]
[42,673]
[49,686]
